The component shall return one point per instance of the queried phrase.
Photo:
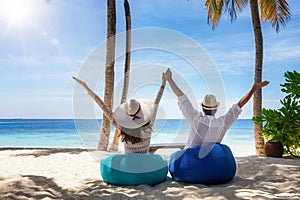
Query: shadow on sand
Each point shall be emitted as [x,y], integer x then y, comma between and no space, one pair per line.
[265,178]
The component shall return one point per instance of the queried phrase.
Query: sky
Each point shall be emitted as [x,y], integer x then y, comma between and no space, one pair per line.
[43,45]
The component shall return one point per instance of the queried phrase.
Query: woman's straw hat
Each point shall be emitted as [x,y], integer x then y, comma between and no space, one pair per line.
[210,102]
[134,113]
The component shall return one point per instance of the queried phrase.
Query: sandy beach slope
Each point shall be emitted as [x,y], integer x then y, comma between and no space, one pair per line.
[75,174]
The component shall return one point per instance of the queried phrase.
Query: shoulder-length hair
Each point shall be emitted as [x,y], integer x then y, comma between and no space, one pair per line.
[134,135]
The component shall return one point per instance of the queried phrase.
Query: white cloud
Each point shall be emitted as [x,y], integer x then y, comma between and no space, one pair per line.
[282,50]
[55,42]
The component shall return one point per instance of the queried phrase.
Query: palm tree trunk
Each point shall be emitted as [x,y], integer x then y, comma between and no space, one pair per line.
[257,98]
[109,71]
[115,143]
[128,51]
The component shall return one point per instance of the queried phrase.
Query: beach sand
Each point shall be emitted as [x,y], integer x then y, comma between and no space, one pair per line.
[75,174]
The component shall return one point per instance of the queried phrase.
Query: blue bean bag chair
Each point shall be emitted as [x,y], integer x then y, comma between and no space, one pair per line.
[134,169]
[209,164]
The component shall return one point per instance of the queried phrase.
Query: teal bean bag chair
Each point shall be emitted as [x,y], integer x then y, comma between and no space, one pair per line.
[134,169]
[209,164]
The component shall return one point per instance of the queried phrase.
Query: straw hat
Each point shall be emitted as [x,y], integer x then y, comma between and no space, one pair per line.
[210,102]
[134,113]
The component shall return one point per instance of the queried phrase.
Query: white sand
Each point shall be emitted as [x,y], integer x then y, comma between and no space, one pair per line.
[75,174]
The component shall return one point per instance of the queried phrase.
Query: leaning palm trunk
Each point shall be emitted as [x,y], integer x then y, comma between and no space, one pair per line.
[109,71]
[115,143]
[257,98]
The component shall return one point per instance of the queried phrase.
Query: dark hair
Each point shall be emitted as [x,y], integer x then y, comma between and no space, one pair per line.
[132,135]
[209,112]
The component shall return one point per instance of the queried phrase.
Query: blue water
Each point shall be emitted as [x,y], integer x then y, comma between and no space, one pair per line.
[69,133]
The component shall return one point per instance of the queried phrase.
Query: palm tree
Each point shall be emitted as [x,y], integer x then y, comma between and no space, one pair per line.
[109,71]
[115,143]
[277,13]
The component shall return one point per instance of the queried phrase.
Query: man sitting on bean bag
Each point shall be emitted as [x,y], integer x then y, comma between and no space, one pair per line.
[206,131]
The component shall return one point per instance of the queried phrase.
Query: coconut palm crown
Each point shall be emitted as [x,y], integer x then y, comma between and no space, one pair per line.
[276,12]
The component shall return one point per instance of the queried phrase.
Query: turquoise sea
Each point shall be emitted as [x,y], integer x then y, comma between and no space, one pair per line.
[70,133]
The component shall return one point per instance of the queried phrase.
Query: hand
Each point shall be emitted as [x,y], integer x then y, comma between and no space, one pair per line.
[257,86]
[168,75]
[79,81]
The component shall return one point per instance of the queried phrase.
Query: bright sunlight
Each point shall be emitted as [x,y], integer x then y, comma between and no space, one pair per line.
[15,11]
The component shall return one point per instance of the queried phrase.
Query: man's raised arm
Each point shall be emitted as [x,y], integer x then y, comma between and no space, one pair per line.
[174,87]
[255,87]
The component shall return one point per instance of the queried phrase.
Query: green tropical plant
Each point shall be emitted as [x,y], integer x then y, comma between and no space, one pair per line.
[283,125]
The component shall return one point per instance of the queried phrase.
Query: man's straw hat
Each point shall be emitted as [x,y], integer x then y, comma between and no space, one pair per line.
[210,102]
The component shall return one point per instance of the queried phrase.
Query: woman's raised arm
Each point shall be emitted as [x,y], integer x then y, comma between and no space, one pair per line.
[106,110]
[158,98]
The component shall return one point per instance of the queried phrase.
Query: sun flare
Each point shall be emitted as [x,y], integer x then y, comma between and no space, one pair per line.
[15,11]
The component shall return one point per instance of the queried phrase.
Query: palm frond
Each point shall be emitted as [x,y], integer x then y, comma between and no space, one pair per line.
[216,7]
[276,12]
[232,7]
[214,11]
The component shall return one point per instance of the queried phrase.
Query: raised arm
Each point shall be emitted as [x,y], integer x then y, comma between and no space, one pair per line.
[158,98]
[160,91]
[255,87]
[174,87]
[184,103]
[108,113]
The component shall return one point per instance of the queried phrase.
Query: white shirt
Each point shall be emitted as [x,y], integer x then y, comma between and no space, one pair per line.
[206,129]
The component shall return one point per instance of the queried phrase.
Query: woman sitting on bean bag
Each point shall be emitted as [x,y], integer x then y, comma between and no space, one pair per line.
[135,119]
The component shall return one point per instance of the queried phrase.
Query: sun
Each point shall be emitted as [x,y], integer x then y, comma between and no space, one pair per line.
[15,11]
